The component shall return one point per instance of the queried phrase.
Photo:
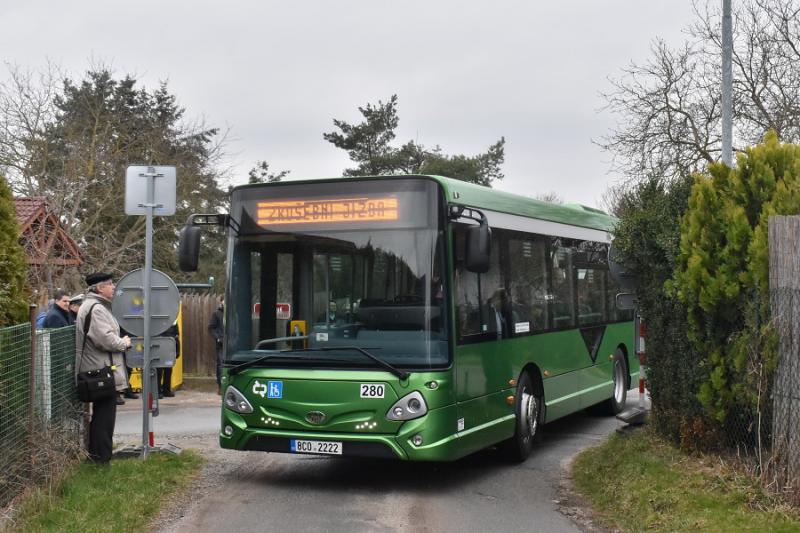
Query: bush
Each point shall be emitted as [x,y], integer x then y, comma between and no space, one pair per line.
[648,237]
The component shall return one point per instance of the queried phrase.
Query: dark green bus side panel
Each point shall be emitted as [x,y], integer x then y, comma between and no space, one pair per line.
[570,378]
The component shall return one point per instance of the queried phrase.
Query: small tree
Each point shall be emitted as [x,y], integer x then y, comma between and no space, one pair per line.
[13,307]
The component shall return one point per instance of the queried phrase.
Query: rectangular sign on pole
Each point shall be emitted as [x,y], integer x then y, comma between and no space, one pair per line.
[164,190]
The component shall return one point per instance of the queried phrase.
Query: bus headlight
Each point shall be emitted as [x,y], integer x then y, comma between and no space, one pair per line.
[235,401]
[408,407]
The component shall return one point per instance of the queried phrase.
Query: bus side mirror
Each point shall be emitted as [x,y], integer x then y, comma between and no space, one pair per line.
[189,248]
[479,246]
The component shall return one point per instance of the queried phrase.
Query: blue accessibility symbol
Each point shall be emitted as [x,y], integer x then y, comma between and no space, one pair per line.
[275,389]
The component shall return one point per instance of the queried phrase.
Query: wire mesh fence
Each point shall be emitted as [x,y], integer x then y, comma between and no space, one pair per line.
[41,419]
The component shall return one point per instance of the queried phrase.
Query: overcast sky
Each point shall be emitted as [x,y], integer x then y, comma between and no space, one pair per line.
[277,73]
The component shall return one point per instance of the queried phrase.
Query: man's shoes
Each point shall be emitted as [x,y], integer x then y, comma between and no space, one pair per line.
[169,394]
[130,394]
[120,401]
[160,395]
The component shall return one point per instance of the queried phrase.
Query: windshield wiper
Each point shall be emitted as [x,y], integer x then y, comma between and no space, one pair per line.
[402,374]
[247,364]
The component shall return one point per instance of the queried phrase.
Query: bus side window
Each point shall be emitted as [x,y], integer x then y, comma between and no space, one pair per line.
[466,292]
[528,282]
[562,284]
[476,310]
[591,295]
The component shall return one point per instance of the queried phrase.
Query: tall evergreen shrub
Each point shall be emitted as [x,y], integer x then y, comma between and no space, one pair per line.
[13,271]
[722,273]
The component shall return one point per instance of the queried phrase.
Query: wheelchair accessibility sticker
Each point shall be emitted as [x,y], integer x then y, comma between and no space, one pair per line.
[270,389]
[275,389]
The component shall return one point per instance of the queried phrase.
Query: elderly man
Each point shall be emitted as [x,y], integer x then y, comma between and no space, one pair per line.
[98,346]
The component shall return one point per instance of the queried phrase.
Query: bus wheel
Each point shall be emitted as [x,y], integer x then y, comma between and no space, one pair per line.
[616,403]
[528,409]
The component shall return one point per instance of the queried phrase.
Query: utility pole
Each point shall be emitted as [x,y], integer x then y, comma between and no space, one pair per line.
[727,84]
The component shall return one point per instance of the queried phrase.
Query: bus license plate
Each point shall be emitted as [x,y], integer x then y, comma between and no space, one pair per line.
[316,446]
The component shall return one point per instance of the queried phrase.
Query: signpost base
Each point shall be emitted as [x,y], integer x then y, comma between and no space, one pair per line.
[132,450]
[635,416]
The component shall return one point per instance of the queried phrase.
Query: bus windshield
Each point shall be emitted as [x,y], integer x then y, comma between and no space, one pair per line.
[350,270]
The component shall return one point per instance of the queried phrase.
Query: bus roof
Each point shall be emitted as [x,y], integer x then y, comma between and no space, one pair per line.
[478,196]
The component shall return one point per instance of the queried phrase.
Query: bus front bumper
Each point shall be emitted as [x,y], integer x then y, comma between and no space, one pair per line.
[436,445]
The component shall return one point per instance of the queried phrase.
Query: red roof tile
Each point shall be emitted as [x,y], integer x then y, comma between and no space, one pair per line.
[28,208]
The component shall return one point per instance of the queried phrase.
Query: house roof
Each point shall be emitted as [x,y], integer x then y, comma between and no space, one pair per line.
[29,209]
[41,234]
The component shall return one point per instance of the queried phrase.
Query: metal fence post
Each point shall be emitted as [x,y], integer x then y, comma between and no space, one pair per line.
[32,391]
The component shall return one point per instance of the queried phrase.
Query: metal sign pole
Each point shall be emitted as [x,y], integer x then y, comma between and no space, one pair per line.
[147,394]
[140,199]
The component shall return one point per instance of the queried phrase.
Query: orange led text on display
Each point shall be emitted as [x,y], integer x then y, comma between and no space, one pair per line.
[327,211]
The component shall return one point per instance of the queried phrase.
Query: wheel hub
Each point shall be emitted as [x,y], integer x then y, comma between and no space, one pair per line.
[530,411]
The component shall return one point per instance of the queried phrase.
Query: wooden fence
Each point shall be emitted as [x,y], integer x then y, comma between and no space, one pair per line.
[199,351]
[784,287]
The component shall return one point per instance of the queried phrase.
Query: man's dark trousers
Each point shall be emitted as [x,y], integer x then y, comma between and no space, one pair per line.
[101,429]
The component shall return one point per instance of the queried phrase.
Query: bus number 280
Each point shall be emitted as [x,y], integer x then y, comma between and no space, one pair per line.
[372,390]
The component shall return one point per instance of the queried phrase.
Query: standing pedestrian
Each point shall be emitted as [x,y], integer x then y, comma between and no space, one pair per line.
[58,315]
[75,304]
[165,373]
[216,328]
[128,392]
[98,344]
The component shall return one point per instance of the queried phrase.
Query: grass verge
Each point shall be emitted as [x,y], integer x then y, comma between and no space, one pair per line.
[122,497]
[637,482]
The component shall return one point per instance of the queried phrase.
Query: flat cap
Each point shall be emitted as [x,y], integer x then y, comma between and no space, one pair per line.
[78,298]
[97,277]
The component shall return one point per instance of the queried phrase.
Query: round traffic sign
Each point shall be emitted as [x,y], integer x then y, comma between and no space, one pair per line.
[128,303]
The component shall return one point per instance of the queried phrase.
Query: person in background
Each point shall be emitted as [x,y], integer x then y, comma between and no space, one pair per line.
[496,321]
[43,314]
[165,374]
[75,304]
[99,346]
[58,315]
[128,392]
[215,327]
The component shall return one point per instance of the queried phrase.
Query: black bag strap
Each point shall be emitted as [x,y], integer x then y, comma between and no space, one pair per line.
[87,321]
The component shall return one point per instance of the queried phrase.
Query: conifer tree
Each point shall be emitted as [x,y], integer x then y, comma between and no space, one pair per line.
[13,306]
[722,272]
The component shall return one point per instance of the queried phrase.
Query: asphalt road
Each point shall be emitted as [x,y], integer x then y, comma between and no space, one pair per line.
[256,491]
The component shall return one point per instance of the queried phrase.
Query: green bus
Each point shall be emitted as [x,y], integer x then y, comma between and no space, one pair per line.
[412,317]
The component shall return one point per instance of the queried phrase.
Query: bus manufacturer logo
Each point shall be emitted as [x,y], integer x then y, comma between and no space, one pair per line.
[316,417]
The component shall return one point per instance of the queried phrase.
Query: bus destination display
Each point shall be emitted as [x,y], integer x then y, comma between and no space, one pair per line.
[329,210]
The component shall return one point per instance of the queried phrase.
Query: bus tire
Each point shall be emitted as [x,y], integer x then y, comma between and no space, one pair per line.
[528,409]
[619,376]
